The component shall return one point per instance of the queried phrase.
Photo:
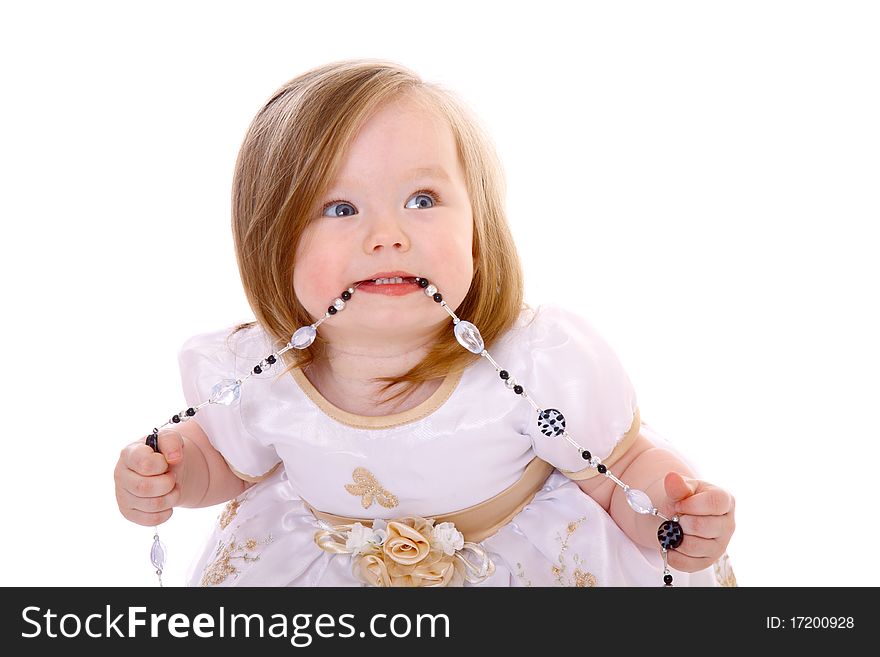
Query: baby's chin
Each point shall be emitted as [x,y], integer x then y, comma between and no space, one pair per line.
[390,319]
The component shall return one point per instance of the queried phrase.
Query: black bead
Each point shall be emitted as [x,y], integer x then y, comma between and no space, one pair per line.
[518,389]
[438,297]
[190,411]
[601,468]
[332,310]
[550,421]
[153,441]
[667,579]
[258,369]
[423,282]
[346,295]
[271,359]
[586,454]
[175,419]
[670,534]
[504,374]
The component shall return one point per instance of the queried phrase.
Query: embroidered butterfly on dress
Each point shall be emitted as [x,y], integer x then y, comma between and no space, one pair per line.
[369,489]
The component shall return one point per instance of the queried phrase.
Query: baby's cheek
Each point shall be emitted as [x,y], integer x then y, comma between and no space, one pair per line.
[313,284]
[458,272]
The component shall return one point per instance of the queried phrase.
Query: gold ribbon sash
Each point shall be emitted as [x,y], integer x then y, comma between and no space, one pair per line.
[482,520]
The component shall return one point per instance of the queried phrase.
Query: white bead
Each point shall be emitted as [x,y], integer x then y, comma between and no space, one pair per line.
[157,554]
[431,290]
[226,392]
[303,337]
[338,303]
[469,337]
[639,501]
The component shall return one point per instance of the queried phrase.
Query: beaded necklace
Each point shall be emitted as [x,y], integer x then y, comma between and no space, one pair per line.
[550,421]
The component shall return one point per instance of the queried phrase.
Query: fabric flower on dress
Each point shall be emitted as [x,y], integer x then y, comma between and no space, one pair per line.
[408,552]
[407,541]
[447,538]
[371,570]
[364,540]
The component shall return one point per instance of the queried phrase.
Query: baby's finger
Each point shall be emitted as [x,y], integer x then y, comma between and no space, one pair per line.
[147,519]
[143,460]
[141,486]
[694,546]
[705,526]
[171,445]
[710,501]
[152,504]
[687,564]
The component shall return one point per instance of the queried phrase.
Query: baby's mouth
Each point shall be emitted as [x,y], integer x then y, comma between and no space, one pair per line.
[394,280]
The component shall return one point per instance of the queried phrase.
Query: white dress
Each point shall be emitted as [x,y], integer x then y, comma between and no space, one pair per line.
[470,440]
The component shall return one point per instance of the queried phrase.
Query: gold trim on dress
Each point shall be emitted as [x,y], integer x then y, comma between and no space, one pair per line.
[619,449]
[431,404]
[724,572]
[221,566]
[480,521]
[580,577]
[369,490]
[229,512]
[249,478]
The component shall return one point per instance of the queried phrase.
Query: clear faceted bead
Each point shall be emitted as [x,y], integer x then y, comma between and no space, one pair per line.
[431,290]
[469,337]
[339,304]
[226,392]
[639,501]
[303,337]
[157,554]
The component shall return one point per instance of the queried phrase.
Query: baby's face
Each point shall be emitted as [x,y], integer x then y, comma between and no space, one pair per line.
[382,214]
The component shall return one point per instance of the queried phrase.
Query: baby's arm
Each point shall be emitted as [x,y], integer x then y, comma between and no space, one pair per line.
[187,471]
[208,479]
[706,511]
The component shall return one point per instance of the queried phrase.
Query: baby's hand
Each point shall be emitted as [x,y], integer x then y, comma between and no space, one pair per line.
[146,481]
[706,516]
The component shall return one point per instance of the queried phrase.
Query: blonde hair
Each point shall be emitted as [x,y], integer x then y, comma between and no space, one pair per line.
[292,150]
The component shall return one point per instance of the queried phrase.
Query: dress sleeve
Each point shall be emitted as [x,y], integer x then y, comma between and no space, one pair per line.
[205,360]
[574,371]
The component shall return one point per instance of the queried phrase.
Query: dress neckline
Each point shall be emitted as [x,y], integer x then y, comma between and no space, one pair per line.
[436,400]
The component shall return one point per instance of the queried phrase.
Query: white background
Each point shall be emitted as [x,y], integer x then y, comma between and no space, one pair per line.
[699,179]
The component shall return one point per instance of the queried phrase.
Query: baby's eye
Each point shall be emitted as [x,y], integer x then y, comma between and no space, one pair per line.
[337,213]
[338,206]
[425,194]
